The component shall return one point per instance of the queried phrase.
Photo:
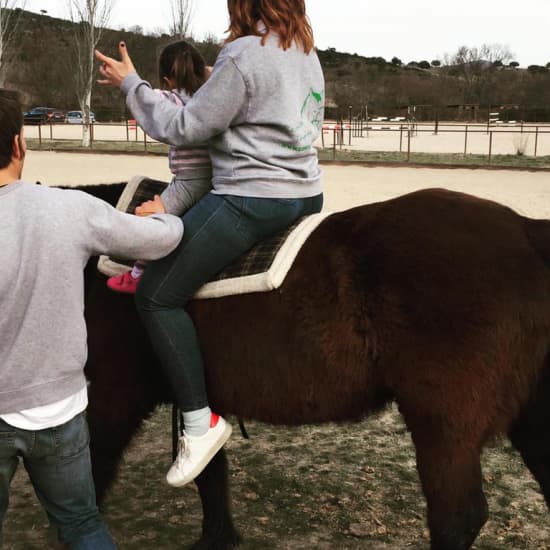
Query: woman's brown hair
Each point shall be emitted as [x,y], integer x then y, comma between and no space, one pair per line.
[286,18]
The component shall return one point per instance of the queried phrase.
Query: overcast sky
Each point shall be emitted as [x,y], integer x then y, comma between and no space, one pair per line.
[411,30]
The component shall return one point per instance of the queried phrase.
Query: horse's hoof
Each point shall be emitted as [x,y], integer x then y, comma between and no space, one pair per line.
[228,543]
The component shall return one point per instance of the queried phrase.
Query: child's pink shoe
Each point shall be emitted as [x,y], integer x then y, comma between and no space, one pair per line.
[124,283]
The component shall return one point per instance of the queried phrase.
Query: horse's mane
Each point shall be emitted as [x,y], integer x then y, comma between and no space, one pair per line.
[109,192]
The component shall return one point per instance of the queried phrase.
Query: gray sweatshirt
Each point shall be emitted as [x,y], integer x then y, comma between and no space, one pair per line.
[261,110]
[47,236]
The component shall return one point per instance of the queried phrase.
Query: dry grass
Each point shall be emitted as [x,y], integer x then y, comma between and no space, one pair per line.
[350,486]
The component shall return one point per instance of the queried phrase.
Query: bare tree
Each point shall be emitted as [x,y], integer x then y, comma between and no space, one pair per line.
[180,22]
[9,23]
[90,18]
[476,67]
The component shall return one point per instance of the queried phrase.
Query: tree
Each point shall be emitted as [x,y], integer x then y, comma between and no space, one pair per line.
[396,61]
[436,63]
[90,18]
[424,65]
[10,12]
[536,69]
[209,48]
[513,64]
[182,11]
[476,68]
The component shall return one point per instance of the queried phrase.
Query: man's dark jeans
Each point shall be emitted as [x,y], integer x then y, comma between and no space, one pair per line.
[58,463]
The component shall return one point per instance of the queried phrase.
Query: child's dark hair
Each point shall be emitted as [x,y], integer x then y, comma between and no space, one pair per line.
[184,64]
[11,122]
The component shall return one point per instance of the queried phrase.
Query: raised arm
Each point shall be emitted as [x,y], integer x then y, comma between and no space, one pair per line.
[220,103]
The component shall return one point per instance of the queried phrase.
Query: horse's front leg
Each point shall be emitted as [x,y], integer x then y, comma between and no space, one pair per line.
[125,383]
[113,423]
[218,531]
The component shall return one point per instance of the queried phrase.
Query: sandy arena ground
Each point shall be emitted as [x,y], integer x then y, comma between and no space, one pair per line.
[450,139]
[345,186]
[505,140]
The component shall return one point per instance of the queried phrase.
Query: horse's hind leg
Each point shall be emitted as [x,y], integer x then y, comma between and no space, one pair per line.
[529,434]
[450,473]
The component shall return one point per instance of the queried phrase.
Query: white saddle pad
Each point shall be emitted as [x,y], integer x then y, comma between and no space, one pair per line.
[261,269]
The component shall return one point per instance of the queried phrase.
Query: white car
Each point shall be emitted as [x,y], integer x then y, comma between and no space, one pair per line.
[76,117]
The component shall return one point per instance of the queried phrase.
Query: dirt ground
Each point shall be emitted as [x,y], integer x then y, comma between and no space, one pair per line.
[345,186]
[350,486]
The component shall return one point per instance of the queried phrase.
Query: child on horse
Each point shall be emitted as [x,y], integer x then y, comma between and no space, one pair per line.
[182,71]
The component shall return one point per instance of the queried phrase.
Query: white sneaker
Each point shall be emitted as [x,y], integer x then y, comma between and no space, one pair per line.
[195,453]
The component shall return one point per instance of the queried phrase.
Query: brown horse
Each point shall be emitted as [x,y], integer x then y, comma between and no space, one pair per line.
[436,300]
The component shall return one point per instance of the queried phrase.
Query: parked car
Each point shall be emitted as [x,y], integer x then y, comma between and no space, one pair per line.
[38,115]
[77,117]
[58,116]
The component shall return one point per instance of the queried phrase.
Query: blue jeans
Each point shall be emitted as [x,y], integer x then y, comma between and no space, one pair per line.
[58,463]
[217,230]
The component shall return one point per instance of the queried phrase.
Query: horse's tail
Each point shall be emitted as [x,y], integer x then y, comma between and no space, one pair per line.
[538,233]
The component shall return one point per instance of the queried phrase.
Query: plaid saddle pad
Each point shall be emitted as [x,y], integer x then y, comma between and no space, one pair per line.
[261,269]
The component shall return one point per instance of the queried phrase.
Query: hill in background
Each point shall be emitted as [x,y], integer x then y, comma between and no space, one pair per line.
[43,71]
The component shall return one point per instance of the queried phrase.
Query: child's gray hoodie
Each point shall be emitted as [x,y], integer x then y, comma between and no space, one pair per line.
[260,111]
[47,236]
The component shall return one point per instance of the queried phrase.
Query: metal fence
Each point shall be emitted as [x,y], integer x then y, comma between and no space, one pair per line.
[356,135]
[458,138]
[127,131]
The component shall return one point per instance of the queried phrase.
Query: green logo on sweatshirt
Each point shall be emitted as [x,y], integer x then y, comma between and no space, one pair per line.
[307,129]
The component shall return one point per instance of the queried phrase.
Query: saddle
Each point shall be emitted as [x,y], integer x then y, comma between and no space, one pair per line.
[261,269]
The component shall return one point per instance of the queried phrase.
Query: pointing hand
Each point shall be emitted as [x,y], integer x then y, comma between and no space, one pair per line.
[113,71]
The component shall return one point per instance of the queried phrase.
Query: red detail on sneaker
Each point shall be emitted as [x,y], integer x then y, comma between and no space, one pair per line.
[124,283]
[214,420]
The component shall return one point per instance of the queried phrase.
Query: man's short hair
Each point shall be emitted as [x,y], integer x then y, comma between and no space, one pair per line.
[11,122]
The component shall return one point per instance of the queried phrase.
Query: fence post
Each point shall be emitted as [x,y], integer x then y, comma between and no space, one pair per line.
[401,138]
[51,131]
[91,134]
[144,141]
[334,130]
[466,140]
[40,134]
[408,144]
[127,131]
[490,145]
[536,140]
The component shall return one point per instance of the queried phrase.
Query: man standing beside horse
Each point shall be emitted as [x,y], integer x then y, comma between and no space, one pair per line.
[47,237]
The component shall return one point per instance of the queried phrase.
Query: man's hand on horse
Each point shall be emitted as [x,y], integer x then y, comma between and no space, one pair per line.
[113,71]
[153,206]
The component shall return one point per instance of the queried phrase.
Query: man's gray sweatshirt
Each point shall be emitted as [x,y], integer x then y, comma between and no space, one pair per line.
[261,111]
[47,236]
